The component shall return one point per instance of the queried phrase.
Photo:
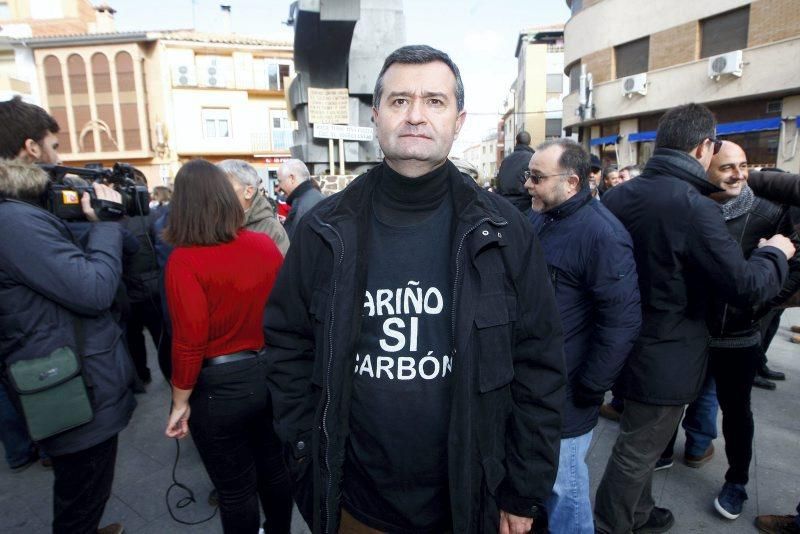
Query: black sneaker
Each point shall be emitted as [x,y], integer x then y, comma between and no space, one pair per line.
[663,463]
[660,520]
[730,500]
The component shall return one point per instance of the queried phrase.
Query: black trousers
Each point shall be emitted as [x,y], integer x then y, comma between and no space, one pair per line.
[82,488]
[231,424]
[733,371]
[148,314]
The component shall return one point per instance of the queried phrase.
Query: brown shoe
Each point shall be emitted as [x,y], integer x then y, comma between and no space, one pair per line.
[796,330]
[608,411]
[698,461]
[113,528]
[777,524]
[795,338]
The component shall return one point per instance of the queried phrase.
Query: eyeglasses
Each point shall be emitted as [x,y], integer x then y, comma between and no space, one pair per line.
[717,144]
[537,178]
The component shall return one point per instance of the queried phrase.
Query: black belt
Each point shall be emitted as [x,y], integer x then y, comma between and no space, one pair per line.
[230,358]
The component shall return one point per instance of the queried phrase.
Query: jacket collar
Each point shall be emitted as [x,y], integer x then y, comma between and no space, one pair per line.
[564,210]
[298,191]
[523,148]
[258,211]
[682,166]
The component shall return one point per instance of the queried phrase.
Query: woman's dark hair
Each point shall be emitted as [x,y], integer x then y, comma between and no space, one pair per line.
[204,209]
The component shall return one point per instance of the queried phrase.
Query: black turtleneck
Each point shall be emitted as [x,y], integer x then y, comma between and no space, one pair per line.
[402,201]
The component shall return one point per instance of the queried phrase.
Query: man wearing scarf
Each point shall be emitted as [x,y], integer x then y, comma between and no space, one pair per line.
[735,352]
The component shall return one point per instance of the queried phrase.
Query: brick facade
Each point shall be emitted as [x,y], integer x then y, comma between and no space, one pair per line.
[600,64]
[674,46]
[773,20]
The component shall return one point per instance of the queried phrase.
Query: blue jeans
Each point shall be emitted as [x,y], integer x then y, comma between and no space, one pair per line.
[569,507]
[700,422]
[13,433]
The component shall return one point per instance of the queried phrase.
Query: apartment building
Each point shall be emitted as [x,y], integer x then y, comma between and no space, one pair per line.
[629,61]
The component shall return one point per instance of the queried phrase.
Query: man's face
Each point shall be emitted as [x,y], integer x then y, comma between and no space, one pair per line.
[554,187]
[286,181]
[594,178]
[243,193]
[418,118]
[43,151]
[728,171]
[612,179]
[624,175]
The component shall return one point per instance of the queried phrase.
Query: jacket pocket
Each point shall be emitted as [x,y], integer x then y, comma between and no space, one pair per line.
[494,321]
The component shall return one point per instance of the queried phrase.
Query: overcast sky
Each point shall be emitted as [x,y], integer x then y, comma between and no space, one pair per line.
[480,36]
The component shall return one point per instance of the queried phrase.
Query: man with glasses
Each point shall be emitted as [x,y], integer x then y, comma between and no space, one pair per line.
[683,253]
[589,256]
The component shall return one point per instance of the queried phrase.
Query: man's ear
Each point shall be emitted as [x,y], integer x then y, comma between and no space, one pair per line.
[249,192]
[30,152]
[700,150]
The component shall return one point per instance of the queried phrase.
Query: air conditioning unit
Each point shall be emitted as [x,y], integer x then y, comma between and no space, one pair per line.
[728,63]
[636,84]
[212,73]
[184,76]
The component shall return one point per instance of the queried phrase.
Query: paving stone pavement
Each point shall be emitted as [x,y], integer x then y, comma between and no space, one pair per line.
[146,458]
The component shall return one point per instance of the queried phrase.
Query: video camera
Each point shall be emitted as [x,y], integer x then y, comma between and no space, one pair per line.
[64,197]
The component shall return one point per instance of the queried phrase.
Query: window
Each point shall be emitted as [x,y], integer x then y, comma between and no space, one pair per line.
[281,130]
[552,128]
[5,11]
[216,123]
[633,57]
[555,83]
[269,73]
[725,32]
[575,77]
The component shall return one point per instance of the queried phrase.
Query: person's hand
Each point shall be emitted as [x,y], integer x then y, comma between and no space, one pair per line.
[178,423]
[103,192]
[780,242]
[514,524]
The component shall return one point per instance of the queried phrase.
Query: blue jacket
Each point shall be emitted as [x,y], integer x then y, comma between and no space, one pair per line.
[46,282]
[590,258]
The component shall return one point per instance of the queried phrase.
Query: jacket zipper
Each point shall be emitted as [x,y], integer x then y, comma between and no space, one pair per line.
[725,309]
[458,274]
[326,507]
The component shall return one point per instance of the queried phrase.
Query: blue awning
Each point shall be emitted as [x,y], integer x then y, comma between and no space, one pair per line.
[642,136]
[797,122]
[758,125]
[607,140]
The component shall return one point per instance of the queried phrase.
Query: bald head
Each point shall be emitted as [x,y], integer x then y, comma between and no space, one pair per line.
[292,173]
[728,171]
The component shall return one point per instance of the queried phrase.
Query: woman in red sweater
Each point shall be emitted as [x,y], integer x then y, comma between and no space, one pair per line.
[217,282]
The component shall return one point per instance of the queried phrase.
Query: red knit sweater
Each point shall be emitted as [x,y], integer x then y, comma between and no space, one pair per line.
[216,297]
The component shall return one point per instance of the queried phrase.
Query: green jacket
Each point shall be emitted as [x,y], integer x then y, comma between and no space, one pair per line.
[261,218]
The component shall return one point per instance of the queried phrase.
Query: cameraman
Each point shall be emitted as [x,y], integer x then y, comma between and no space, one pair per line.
[51,289]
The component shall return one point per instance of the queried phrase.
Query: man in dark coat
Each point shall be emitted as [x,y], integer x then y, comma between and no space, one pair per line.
[414,347]
[295,180]
[510,179]
[53,294]
[590,257]
[682,251]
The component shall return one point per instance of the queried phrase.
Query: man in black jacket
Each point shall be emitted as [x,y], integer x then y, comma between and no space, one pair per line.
[682,251]
[510,180]
[736,350]
[414,347]
[590,257]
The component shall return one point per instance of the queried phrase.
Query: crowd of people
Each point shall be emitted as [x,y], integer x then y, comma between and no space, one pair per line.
[414,353]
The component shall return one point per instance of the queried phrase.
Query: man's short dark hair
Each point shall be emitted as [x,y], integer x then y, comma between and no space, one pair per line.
[684,127]
[524,138]
[418,55]
[22,121]
[573,159]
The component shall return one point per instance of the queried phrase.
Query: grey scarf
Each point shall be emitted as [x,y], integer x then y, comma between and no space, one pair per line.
[736,207]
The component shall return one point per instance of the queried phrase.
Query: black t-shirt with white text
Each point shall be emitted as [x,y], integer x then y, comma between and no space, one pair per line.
[395,474]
